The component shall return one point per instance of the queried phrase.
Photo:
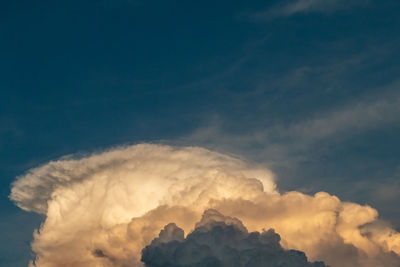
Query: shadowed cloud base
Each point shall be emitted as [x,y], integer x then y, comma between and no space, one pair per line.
[220,241]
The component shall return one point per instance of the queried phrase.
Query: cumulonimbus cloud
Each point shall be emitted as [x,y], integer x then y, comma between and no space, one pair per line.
[103,209]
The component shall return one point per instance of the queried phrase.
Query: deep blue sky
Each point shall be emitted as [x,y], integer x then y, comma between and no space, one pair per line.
[310,90]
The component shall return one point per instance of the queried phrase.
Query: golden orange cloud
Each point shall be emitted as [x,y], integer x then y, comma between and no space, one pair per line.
[103,209]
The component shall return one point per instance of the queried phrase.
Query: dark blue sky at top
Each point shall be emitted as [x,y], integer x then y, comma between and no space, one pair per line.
[79,76]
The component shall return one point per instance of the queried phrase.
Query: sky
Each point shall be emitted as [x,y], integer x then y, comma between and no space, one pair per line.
[308,89]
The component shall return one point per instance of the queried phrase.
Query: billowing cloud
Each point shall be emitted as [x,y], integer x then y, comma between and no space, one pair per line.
[219,241]
[103,209]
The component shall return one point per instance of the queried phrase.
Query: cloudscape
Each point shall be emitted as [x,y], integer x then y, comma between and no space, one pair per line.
[103,209]
[153,133]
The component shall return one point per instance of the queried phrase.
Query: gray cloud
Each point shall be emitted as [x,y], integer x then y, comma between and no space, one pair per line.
[221,241]
[290,142]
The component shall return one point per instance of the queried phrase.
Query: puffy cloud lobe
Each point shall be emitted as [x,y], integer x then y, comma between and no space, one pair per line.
[322,226]
[103,209]
[220,241]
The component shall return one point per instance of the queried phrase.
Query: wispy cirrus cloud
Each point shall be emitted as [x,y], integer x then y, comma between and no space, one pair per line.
[283,141]
[289,8]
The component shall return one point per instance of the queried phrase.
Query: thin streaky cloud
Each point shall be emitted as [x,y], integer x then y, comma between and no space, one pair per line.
[290,8]
[282,141]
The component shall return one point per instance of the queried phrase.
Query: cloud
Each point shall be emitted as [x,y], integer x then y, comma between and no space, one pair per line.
[291,141]
[103,209]
[220,241]
[145,167]
[317,123]
[292,7]
[95,193]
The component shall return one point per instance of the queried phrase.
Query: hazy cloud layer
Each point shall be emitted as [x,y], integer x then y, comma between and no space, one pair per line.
[292,141]
[220,241]
[103,209]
